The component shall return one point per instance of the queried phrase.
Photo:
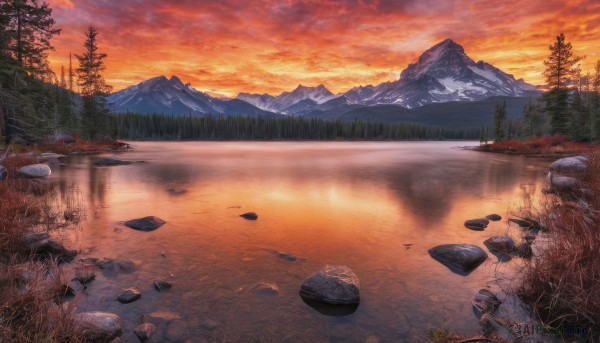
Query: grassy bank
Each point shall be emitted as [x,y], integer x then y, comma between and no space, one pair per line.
[542,146]
[562,282]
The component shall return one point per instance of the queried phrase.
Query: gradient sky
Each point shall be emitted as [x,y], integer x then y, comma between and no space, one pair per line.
[270,46]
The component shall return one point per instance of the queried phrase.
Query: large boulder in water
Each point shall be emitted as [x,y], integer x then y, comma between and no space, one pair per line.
[577,164]
[145,224]
[337,285]
[36,170]
[459,258]
[99,326]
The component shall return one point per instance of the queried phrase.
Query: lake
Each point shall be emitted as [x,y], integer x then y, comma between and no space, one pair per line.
[376,207]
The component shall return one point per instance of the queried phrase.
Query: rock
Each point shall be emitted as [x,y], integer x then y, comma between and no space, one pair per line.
[129,295]
[287,256]
[337,285]
[501,246]
[50,248]
[588,193]
[564,183]
[108,162]
[32,240]
[145,224]
[249,216]
[265,288]
[99,326]
[459,258]
[84,275]
[3,173]
[162,285]
[485,302]
[114,265]
[477,224]
[576,164]
[145,331]
[524,250]
[493,217]
[526,223]
[36,170]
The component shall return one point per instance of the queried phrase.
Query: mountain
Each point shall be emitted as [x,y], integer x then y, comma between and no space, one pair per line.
[443,73]
[286,101]
[171,96]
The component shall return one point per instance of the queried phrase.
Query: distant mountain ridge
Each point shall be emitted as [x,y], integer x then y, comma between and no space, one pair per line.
[443,73]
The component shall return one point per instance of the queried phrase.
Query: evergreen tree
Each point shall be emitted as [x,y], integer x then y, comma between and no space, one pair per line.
[95,113]
[595,104]
[499,122]
[560,72]
[29,28]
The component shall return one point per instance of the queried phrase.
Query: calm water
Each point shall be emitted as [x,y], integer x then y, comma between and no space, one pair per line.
[354,204]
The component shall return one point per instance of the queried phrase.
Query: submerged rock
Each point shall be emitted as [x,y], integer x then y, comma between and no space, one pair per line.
[485,302]
[459,258]
[493,217]
[286,256]
[99,326]
[337,285]
[109,266]
[107,162]
[501,246]
[145,331]
[149,223]
[265,288]
[36,170]
[577,164]
[129,295]
[249,216]
[162,285]
[478,224]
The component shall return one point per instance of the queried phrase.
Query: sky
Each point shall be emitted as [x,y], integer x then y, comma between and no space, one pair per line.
[224,47]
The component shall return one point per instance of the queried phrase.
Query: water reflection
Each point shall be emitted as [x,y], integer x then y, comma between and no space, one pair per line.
[353,204]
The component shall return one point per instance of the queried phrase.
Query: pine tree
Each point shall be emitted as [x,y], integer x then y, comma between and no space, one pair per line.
[29,30]
[560,73]
[499,122]
[595,104]
[95,113]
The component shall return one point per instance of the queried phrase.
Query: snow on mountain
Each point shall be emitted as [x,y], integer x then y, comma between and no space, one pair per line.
[287,100]
[171,96]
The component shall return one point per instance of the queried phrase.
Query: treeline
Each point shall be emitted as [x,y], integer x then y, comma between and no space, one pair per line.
[34,101]
[570,106]
[165,127]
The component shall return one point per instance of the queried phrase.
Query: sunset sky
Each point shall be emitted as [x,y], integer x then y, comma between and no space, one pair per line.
[227,46]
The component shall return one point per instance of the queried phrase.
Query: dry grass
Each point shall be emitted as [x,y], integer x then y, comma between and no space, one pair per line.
[30,290]
[562,283]
[546,145]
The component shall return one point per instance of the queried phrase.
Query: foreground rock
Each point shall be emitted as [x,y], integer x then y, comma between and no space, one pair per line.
[563,183]
[526,223]
[36,170]
[108,162]
[149,223]
[99,326]
[249,216]
[577,164]
[501,246]
[459,258]
[162,285]
[485,302]
[337,285]
[3,173]
[478,224]
[50,248]
[145,331]
[129,295]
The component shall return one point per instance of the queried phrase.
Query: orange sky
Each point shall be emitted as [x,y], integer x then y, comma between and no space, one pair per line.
[228,46]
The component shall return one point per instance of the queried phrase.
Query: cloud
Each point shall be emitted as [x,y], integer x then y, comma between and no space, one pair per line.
[230,46]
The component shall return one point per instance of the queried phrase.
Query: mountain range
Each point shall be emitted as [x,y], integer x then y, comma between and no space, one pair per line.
[443,74]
